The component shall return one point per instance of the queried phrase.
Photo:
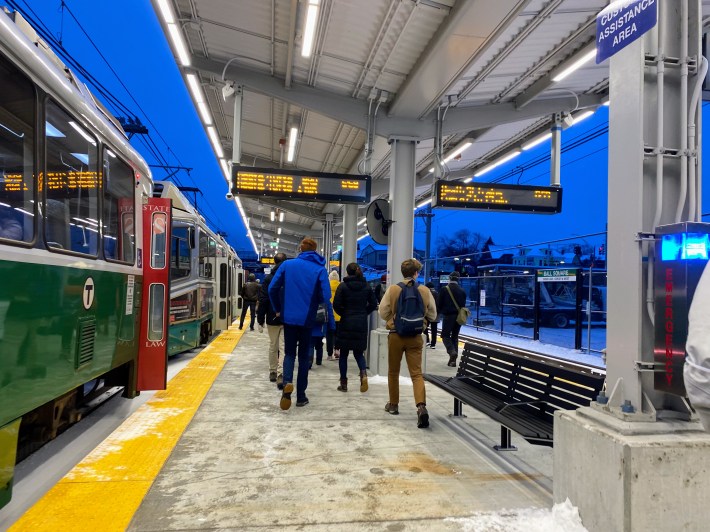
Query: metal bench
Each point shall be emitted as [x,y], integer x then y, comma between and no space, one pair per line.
[520,389]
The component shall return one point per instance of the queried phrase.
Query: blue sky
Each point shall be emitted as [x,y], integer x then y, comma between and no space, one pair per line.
[131,39]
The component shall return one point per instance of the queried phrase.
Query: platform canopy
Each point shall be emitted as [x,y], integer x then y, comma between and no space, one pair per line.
[493,63]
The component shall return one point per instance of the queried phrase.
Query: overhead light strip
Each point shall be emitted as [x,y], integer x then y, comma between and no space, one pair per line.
[292,144]
[583,60]
[175,32]
[536,141]
[496,164]
[310,31]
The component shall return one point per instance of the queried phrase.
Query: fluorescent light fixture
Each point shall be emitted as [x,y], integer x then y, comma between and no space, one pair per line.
[363,236]
[278,231]
[24,211]
[273,215]
[468,180]
[497,163]
[278,240]
[83,133]
[198,95]
[310,32]
[606,101]
[423,203]
[110,153]
[216,144]
[52,131]
[83,157]
[362,221]
[583,116]
[458,151]
[292,144]
[431,170]
[166,11]
[225,168]
[536,141]
[4,205]
[281,216]
[588,56]
[179,44]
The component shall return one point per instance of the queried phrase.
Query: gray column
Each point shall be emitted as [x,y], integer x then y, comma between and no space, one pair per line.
[555,153]
[328,239]
[349,235]
[401,234]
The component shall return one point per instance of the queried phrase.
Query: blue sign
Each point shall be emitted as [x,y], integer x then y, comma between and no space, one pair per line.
[621,23]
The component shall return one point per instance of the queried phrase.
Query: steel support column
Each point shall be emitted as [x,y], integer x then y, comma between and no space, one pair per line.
[328,239]
[401,234]
[555,153]
[349,236]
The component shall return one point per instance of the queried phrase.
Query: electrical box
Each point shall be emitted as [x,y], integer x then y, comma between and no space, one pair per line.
[681,254]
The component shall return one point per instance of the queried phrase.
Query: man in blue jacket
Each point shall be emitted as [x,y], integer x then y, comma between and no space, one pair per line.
[305,285]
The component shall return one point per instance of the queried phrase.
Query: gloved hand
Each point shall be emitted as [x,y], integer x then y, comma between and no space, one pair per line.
[261,327]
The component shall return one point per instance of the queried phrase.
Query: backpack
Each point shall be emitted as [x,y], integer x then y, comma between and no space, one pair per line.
[409,319]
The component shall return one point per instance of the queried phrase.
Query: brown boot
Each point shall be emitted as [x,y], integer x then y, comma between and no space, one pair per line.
[363,381]
[343,385]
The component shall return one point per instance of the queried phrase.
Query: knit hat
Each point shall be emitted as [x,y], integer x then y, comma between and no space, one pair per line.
[334,276]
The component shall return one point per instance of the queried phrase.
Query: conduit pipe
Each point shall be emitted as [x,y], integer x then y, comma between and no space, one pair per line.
[694,144]
[291,43]
[660,107]
[683,111]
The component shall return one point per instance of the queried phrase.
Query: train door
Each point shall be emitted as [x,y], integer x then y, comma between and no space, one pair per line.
[222,320]
[153,349]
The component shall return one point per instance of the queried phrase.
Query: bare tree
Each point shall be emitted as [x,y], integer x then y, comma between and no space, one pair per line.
[462,242]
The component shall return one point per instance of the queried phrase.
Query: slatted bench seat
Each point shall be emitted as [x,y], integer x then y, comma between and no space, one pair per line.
[519,389]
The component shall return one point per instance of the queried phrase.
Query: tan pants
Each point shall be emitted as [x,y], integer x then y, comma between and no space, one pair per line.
[411,347]
[276,345]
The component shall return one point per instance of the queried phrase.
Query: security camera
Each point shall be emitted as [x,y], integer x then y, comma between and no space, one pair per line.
[229,196]
[227,91]
[567,120]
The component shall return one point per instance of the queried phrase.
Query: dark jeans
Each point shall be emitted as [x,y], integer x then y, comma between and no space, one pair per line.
[251,305]
[297,340]
[450,334]
[434,326]
[330,336]
[317,348]
[343,362]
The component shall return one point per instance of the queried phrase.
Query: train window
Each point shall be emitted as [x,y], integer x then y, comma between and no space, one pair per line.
[157,312]
[180,265]
[223,280]
[119,209]
[159,251]
[72,201]
[17,134]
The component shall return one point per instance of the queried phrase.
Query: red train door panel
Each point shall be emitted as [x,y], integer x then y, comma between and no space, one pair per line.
[153,349]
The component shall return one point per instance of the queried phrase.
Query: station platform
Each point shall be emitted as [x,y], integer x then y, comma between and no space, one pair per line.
[239,462]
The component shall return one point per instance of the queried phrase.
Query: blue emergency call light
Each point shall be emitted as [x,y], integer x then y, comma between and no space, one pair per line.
[685,246]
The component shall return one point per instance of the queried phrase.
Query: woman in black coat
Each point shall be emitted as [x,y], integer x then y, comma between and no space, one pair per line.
[354,300]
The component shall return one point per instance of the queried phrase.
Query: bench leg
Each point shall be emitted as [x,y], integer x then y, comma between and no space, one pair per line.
[505,440]
[458,408]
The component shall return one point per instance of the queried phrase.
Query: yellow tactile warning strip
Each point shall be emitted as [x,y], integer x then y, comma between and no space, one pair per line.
[104,491]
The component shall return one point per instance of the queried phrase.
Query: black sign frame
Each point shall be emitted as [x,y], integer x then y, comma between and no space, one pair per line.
[532,206]
[296,196]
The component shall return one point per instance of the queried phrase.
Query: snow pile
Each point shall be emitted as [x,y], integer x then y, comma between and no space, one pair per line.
[562,517]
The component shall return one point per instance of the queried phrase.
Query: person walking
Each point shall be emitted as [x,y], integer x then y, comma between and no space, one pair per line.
[354,300]
[434,325]
[305,285]
[451,298]
[421,308]
[250,295]
[330,335]
[274,326]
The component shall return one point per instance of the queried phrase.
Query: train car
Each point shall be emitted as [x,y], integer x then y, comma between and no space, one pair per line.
[202,273]
[83,251]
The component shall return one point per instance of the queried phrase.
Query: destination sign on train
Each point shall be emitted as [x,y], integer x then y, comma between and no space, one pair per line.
[300,185]
[497,197]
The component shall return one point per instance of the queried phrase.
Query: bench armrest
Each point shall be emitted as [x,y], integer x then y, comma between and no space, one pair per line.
[521,403]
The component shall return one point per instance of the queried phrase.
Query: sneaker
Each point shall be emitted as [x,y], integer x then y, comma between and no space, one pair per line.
[422,417]
[286,396]
[392,409]
[280,382]
[303,402]
[432,347]
[272,376]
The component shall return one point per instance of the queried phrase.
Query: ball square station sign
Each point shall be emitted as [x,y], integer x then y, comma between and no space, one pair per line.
[300,185]
[621,23]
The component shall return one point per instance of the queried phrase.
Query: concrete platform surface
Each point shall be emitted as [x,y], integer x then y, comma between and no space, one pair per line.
[339,463]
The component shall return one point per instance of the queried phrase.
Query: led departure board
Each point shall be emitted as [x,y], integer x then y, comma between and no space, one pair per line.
[497,197]
[299,185]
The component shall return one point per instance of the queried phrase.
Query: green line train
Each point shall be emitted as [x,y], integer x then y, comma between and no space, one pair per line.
[97,282]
